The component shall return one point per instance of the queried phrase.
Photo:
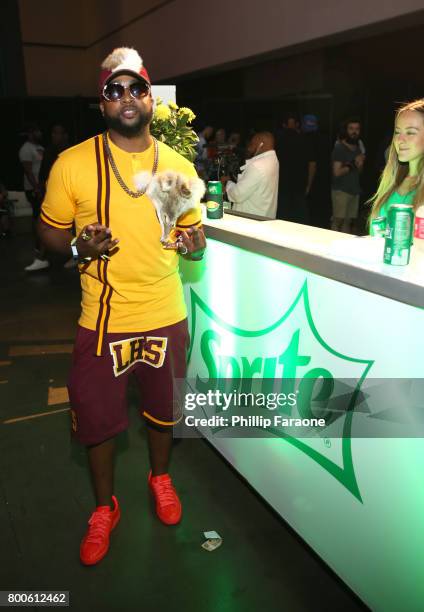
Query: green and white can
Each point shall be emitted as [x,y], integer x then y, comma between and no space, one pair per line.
[214,200]
[399,231]
[379,226]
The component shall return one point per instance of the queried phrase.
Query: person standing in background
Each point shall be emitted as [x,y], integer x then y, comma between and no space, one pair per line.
[201,163]
[347,164]
[318,196]
[4,212]
[31,155]
[297,171]
[237,152]
[256,190]
[59,141]
[221,140]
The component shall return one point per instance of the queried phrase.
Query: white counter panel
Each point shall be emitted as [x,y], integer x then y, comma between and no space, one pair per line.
[358,502]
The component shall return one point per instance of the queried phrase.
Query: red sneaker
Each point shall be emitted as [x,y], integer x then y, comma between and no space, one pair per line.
[168,506]
[95,543]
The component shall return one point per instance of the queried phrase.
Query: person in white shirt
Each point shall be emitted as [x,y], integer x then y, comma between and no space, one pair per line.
[256,190]
[31,155]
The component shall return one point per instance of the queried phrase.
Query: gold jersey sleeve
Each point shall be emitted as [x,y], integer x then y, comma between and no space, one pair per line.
[59,207]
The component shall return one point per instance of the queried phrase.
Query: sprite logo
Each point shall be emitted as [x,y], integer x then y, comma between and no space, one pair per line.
[215,188]
[212,206]
[291,348]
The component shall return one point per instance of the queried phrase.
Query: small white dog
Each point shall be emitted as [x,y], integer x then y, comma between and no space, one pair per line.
[172,195]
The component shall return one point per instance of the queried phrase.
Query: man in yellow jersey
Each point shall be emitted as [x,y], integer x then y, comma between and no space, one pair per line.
[134,318]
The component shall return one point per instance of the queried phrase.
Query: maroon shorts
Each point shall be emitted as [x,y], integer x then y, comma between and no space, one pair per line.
[98,385]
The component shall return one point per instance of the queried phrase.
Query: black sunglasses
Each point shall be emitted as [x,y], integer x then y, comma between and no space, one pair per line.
[115,91]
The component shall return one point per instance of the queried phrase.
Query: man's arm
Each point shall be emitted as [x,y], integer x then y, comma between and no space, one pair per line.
[56,240]
[245,186]
[93,241]
[359,161]
[340,168]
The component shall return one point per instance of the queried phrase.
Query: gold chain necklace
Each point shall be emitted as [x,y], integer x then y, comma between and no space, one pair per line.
[133,194]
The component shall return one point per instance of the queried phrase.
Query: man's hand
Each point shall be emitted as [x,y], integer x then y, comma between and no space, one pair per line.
[224,180]
[359,161]
[95,240]
[341,168]
[191,243]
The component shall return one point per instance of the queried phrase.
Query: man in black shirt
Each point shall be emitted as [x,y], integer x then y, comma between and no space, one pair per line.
[319,203]
[297,171]
[347,163]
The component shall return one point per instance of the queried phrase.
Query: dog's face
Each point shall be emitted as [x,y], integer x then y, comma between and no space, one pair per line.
[172,194]
[166,181]
[184,187]
[171,182]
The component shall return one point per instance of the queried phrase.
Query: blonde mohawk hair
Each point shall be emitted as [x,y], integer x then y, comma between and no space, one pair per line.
[123,58]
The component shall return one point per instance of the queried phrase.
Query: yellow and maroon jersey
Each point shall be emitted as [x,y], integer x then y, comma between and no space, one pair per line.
[140,287]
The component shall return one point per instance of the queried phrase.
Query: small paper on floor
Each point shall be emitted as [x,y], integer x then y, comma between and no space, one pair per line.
[213,541]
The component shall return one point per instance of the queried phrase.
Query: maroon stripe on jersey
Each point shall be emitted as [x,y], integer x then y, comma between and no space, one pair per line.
[99,269]
[191,224]
[107,221]
[107,218]
[99,180]
[99,316]
[99,219]
[65,225]
[107,181]
[106,295]
[109,297]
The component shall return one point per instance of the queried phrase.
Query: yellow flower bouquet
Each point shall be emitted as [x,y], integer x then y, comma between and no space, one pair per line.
[170,125]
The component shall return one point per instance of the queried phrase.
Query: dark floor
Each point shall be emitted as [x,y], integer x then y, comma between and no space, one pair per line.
[46,499]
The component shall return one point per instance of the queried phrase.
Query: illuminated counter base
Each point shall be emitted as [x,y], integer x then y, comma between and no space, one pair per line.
[359,503]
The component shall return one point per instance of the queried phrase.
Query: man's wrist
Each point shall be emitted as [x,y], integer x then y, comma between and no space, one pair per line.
[74,249]
[75,254]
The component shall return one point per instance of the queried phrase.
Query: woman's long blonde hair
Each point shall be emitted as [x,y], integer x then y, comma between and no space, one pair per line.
[395,171]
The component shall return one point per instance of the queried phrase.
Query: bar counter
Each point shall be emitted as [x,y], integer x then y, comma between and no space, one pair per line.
[354,260]
[273,298]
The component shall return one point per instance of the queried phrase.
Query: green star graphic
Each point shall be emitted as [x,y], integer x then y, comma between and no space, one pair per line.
[345,474]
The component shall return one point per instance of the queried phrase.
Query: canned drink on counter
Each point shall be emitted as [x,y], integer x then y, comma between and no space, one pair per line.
[419,223]
[214,200]
[379,226]
[399,230]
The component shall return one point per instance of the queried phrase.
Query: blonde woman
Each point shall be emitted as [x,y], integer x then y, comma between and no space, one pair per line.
[402,181]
